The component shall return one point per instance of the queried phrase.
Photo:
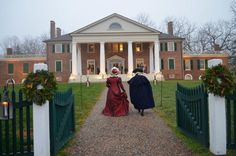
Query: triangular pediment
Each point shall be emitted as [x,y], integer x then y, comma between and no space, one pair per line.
[115,23]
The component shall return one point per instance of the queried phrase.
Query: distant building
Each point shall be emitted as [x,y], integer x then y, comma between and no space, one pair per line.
[195,64]
[17,66]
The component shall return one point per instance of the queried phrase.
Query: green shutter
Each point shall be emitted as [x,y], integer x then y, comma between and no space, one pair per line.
[53,48]
[25,68]
[191,64]
[161,45]
[162,64]
[63,48]
[171,64]
[206,64]
[58,66]
[175,46]
[166,49]
[184,64]
[198,64]
[10,68]
[68,48]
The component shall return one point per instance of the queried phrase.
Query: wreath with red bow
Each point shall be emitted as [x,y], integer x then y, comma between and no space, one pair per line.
[39,86]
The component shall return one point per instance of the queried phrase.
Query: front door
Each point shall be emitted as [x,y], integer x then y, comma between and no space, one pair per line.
[115,61]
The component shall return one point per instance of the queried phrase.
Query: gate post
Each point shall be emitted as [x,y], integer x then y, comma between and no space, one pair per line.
[41,123]
[217,119]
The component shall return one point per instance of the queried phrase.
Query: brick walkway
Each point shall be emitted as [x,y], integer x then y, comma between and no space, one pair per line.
[132,135]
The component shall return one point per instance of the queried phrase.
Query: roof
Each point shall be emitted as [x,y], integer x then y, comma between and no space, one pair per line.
[119,16]
[168,36]
[67,37]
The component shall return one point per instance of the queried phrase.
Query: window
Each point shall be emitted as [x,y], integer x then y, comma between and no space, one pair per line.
[188,77]
[115,26]
[90,66]
[138,47]
[117,47]
[10,68]
[171,46]
[53,48]
[58,48]
[91,48]
[187,64]
[202,64]
[25,68]
[58,66]
[163,46]
[171,64]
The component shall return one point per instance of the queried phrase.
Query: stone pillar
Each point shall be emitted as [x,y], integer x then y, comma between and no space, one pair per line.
[41,123]
[79,60]
[151,57]
[102,58]
[130,57]
[157,56]
[217,119]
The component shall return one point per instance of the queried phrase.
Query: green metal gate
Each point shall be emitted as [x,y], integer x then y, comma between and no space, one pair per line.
[192,112]
[231,120]
[62,123]
[16,134]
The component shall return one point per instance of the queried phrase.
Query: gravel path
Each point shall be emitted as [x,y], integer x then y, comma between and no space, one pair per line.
[132,135]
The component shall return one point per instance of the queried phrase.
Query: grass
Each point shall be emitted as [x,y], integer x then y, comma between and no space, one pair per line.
[167,111]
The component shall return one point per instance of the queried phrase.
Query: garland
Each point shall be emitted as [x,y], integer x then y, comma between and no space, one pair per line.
[39,86]
[218,80]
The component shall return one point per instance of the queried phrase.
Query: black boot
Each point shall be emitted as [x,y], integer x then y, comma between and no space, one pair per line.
[139,110]
[142,112]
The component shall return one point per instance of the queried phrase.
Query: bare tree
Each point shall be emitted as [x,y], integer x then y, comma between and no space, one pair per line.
[144,19]
[182,27]
[220,32]
[11,42]
[29,45]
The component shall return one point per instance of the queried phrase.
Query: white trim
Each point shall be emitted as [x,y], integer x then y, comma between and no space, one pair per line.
[200,64]
[58,48]
[170,46]
[188,76]
[169,64]
[56,66]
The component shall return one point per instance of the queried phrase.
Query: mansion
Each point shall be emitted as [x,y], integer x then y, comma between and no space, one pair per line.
[114,41]
[91,52]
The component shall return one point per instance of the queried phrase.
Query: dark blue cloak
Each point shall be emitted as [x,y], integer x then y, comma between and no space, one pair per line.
[141,92]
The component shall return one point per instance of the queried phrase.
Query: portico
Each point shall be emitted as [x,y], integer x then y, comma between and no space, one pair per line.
[118,41]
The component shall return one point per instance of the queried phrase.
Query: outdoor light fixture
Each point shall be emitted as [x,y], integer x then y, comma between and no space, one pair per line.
[6,107]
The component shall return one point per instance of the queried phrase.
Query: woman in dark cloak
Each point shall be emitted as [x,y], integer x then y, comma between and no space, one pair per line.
[140,91]
[117,103]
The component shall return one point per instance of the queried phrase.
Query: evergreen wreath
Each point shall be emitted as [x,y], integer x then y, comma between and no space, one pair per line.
[218,80]
[39,86]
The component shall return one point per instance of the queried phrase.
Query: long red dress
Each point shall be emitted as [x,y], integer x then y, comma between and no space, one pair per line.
[117,103]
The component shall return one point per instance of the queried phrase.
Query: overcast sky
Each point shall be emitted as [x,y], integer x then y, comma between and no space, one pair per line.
[32,17]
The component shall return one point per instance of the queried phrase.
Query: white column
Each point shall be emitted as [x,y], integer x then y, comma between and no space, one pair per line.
[130,57]
[157,56]
[217,119]
[151,57]
[74,60]
[41,123]
[102,58]
[79,60]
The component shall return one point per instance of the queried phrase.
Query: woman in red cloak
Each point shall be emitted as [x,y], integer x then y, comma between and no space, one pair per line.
[117,103]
